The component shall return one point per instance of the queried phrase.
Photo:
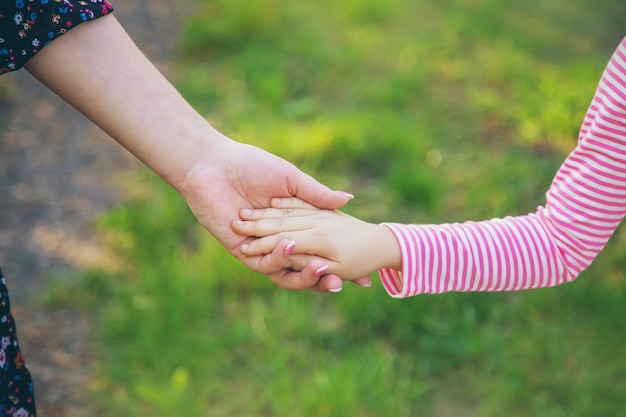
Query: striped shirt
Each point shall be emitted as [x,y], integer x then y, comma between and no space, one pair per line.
[584,205]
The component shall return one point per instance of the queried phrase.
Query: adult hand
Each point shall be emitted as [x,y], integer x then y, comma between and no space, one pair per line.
[239,176]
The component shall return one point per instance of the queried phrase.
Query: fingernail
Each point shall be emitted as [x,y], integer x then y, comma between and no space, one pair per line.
[367,285]
[320,271]
[335,289]
[290,247]
[239,222]
[244,246]
[247,212]
[347,195]
[278,201]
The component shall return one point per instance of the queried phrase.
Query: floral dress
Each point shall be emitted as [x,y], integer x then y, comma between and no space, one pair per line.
[27,26]
[16,387]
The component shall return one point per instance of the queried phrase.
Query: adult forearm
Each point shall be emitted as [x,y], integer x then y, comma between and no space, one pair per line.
[99,70]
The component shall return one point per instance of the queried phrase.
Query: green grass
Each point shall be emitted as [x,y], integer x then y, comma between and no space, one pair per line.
[428,111]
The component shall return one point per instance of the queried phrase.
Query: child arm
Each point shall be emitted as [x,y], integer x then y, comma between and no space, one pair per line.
[584,205]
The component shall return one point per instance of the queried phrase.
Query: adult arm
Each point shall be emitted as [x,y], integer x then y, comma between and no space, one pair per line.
[99,70]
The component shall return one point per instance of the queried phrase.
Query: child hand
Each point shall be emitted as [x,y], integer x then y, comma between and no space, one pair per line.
[350,247]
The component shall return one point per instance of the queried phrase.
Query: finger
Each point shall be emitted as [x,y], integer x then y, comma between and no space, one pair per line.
[262,245]
[267,227]
[299,280]
[312,276]
[315,269]
[279,258]
[328,283]
[273,213]
[268,233]
[292,280]
[291,203]
[301,261]
[276,260]
[365,282]
[310,190]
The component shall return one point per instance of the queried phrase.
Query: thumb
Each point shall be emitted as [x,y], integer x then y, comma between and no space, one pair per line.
[307,188]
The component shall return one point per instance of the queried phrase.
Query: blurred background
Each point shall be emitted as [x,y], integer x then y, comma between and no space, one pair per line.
[430,111]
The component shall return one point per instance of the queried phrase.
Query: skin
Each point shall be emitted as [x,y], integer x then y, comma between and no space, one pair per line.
[351,248]
[99,70]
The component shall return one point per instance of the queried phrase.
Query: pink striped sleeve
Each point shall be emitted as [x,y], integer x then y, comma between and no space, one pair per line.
[584,205]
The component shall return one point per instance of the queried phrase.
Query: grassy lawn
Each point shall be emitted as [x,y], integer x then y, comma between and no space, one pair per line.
[430,111]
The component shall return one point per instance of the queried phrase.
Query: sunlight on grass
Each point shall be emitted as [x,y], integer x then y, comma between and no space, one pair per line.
[428,112]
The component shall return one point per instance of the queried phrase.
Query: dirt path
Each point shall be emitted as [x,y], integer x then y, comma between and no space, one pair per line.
[56,176]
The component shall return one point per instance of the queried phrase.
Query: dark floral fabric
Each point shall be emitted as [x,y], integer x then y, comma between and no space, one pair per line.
[26,26]
[17,398]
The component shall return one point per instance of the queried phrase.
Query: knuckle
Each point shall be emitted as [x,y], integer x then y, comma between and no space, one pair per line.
[281,222]
[326,215]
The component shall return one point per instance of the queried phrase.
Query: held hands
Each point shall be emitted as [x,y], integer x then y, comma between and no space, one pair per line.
[142,111]
[328,243]
[239,175]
